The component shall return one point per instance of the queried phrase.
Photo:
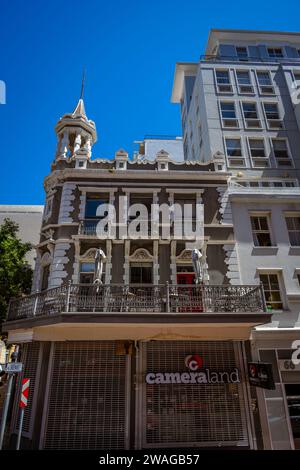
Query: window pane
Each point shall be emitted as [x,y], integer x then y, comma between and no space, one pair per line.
[243,78]
[263,78]
[228,110]
[249,110]
[223,76]
[92,206]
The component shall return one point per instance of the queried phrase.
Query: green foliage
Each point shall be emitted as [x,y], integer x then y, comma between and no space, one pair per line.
[15,272]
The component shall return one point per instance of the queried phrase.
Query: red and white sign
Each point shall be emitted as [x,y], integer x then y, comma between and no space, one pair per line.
[24,393]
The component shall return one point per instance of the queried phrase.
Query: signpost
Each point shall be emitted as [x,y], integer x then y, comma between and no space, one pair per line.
[11,368]
[23,404]
[261,375]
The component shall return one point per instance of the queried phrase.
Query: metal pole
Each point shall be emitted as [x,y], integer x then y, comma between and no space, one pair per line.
[5,408]
[167,297]
[20,428]
[68,296]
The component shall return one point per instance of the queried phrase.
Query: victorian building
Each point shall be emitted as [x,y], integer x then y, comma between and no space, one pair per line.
[132,353]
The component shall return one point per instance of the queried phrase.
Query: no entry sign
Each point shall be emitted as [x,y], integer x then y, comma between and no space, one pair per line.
[24,393]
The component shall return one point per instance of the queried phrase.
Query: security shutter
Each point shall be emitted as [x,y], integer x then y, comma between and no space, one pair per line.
[31,358]
[188,414]
[86,408]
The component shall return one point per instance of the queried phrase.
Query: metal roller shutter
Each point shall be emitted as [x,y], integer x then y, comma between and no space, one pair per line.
[187,414]
[86,408]
[31,358]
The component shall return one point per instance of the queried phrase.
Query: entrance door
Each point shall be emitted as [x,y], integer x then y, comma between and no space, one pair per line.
[293,400]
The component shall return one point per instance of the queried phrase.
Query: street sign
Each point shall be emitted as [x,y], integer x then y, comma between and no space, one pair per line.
[23,404]
[261,375]
[24,393]
[13,367]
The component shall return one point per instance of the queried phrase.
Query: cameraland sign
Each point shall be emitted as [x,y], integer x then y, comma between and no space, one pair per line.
[204,376]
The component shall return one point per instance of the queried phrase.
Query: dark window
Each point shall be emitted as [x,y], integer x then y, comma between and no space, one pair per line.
[293,226]
[141,274]
[260,231]
[45,277]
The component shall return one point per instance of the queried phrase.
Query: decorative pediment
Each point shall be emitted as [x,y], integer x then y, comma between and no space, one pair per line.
[141,254]
[184,257]
[89,255]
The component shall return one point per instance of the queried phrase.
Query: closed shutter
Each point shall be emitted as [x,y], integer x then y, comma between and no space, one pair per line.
[31,358]
[86,408]
[192,414]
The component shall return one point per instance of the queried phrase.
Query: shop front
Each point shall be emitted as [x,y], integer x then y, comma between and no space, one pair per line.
[147,394]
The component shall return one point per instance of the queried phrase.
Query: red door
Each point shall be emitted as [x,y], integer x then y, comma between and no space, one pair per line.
[190,297]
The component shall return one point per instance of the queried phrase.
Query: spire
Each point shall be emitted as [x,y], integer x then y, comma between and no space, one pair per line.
[82,83]
[80,109]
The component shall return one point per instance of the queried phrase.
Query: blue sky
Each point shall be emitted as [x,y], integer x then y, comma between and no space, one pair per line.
[129,49]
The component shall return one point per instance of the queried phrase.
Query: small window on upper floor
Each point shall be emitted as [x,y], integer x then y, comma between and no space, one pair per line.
[298,52]
[275,52]
[293,227]
[223,81]
[261,231]
[281,152]
[251,117]
[265,84]
[234,152]
[272,116]
[271,287]
[228,114]
[258,152]
[242,53]
[244,82]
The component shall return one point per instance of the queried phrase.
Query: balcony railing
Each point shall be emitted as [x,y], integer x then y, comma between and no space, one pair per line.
[227,58]
[115,298]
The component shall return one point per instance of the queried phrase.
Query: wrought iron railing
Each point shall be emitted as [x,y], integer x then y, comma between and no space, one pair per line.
[116,298]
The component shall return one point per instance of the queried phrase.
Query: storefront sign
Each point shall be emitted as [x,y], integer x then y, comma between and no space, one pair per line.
[261,375]
[204,377]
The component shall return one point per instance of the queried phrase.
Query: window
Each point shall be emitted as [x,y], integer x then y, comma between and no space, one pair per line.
[264,83]
[141,274]
[242,53]
[234,152]
[86,273]
[223,81]
[298,277]
[244,81]
[293,226]
[91,217]
[260,231]
[272,115]
[228,114]
[250,115]
[281,152]
[272,292]
[45,277]
[258,153]
[275,52]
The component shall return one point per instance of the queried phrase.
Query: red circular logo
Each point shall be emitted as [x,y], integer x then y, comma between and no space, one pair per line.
[194,362]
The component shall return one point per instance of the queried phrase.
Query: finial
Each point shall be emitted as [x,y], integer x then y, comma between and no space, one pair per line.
[82,83]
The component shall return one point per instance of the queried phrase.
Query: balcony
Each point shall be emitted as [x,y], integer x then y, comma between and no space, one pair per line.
[138,298]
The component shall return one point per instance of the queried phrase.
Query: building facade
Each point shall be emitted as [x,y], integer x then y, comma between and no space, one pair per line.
[240,104]
[144,357]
